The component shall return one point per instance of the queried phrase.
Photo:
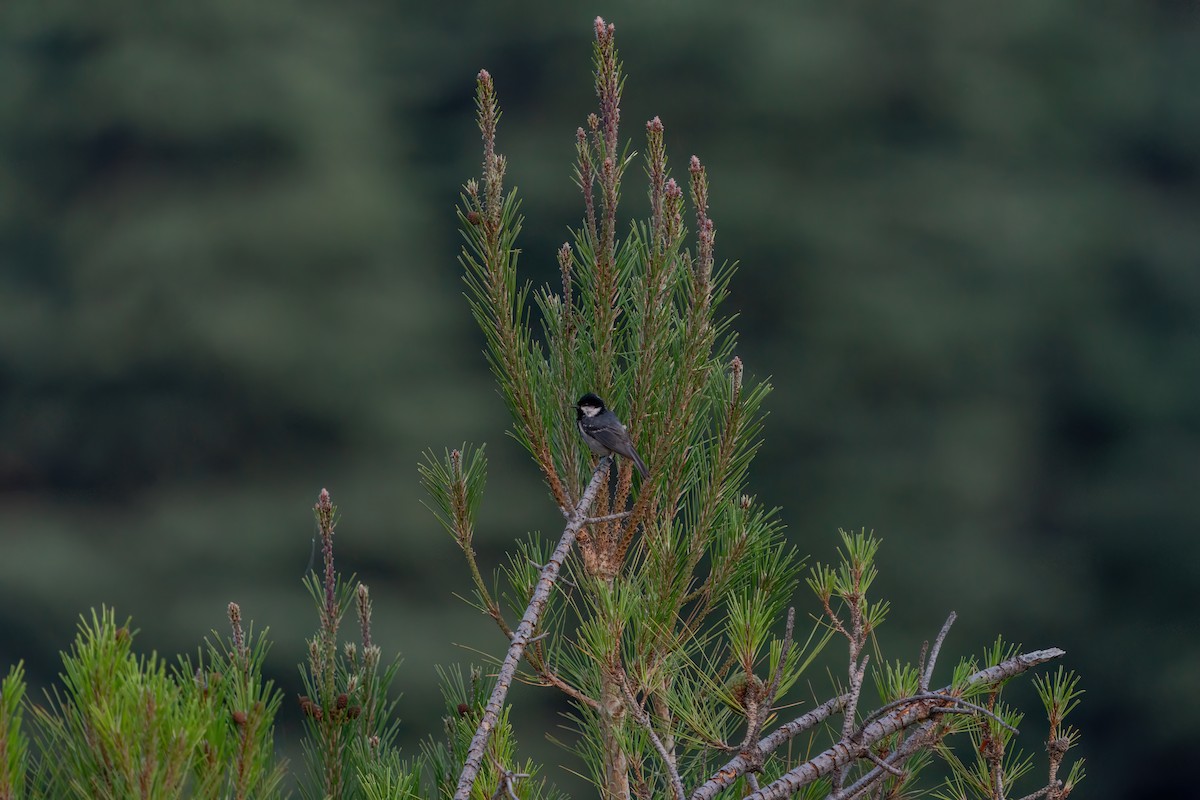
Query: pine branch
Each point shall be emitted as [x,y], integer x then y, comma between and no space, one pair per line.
[846,752]
[541,594]
[917,740]
[740,764]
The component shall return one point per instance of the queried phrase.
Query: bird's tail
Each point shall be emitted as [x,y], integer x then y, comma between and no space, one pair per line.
[641,465]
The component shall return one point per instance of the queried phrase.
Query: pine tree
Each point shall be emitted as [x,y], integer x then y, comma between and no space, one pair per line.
[663,612]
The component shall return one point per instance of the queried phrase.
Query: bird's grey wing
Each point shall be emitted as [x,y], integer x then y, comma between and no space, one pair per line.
[610,434]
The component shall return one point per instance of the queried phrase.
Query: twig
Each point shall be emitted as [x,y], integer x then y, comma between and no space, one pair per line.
[969,713]
[857,671]
[1042,792]
[643,719]
[541,594]
[568,509]
[608,517]
[784,649]
[507,779]
[844,753]
[927,676]
[548,678]
[937,696]
[856,683]
[879,762]
[541,567]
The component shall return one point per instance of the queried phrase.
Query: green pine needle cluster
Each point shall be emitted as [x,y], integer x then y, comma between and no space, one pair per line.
[349,711]
[123,725]
[14,746]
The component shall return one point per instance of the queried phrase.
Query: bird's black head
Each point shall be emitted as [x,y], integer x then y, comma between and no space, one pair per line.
[589,406]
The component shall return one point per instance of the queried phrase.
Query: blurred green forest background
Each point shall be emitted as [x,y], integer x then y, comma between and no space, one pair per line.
[969,238]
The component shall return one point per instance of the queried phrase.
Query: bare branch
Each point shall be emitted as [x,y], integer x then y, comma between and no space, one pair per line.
[844,752]
[927,676]
[541,594]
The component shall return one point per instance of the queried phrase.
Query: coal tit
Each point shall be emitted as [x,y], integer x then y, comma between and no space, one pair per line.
[604,433]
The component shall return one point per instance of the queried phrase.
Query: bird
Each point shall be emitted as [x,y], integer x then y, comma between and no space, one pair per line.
[604,433]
